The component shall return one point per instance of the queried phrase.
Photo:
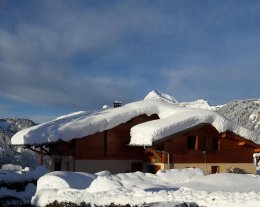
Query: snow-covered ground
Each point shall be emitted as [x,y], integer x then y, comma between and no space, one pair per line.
[166,188]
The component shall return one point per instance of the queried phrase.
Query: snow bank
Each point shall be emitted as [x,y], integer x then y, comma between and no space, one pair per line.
[173,119]
[173,186]
[174,176]
[226,182]
[59,180]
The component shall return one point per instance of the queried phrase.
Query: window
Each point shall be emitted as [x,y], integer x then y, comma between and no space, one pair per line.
[136,166]
[191,142]
[57,165]
[153,168]
[215,169]
[215,143]
[203,144]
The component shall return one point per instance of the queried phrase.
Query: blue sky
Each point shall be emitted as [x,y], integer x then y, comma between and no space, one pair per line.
[58,57]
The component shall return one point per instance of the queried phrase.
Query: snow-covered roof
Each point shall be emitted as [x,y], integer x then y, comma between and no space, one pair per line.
[173,119]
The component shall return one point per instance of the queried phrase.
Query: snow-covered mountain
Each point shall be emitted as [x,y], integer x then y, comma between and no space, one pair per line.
[244,112]
[8,127]
[157,95]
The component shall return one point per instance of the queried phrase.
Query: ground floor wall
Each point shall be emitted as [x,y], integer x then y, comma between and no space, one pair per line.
[67,163]
[217,167]
[114,166]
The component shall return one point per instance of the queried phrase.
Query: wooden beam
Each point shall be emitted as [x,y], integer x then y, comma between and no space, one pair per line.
[46,151]
[197,143]
[224,135]
[41,156]
[37,151]
[53,147]
[241,143]
[105,143]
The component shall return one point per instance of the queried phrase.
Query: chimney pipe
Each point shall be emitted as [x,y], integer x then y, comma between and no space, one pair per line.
[117,104]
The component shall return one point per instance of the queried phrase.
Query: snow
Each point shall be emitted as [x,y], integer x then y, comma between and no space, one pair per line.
[11,167]
[169,187]
[244,112]
[173,119]
[60,180]
[105,107]
[157,95]
[201,104]
[255,118]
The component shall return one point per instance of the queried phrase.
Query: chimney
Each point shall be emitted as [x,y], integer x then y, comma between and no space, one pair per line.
[117,104]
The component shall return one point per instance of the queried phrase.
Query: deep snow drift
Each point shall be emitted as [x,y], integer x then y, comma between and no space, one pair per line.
[190,185]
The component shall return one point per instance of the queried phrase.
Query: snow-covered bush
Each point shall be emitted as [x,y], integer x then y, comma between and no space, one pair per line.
[236,170]
[11,167]
[83,204]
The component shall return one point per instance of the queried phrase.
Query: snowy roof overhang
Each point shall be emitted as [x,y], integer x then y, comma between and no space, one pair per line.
[173,119]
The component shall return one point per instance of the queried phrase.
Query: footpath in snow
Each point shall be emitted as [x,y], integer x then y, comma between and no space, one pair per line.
[166,188]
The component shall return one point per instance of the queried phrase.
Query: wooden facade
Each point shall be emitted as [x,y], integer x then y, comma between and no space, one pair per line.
[111,144]
[200,146]
[204,145]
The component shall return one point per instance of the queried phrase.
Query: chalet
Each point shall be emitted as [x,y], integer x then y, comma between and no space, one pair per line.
[143,136]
